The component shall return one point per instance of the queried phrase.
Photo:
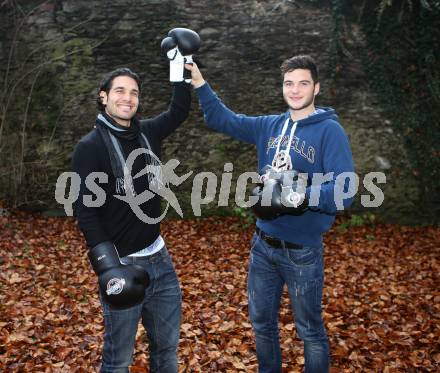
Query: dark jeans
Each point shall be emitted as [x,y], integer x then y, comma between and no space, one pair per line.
[160,315]
[303,272]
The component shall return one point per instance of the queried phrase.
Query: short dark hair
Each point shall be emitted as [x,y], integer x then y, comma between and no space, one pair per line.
[302,61]
[107,81]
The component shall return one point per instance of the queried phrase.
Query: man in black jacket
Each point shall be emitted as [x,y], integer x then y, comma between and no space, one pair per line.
[113,232]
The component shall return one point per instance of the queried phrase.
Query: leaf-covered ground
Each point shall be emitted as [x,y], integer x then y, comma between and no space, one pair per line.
[381,299]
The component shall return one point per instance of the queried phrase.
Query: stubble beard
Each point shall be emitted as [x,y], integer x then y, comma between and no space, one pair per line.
[117,117]
[308,103]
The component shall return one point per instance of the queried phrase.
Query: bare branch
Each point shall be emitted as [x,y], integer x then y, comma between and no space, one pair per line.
[23,131]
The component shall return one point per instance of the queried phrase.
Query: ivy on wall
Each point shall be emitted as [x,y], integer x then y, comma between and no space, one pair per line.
[403,67]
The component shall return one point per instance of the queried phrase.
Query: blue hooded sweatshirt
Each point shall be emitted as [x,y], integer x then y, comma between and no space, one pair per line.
[319,145]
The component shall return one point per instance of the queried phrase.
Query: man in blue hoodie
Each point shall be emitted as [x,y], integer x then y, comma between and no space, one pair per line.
[289,249]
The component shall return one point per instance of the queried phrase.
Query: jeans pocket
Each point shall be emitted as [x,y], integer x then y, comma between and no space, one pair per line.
[166,276]
[254,241]
[307,256]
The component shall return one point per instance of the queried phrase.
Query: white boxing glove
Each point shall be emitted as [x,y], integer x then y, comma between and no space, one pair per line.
[179,46]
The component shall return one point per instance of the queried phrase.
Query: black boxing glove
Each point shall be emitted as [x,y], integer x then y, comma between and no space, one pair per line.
[268,206]
[293,192]
[122,286]
[280,193]
[179,46]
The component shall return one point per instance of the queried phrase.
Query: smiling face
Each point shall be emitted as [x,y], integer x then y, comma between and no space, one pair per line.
[299,92]
[122,100]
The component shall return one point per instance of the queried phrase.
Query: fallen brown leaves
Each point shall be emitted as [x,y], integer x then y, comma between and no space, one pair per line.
[381,299]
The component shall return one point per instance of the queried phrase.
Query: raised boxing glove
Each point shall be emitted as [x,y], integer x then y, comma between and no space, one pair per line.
[179,46]
[122,286]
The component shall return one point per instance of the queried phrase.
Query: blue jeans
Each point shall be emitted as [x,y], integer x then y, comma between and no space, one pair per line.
[303,272]
[160,314]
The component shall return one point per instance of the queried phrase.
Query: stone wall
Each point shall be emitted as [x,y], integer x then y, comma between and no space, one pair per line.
[243,45]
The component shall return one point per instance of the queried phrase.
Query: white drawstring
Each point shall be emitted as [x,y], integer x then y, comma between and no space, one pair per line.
[283,132]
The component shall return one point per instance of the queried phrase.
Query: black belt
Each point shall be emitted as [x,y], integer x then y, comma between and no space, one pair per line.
[275,242]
